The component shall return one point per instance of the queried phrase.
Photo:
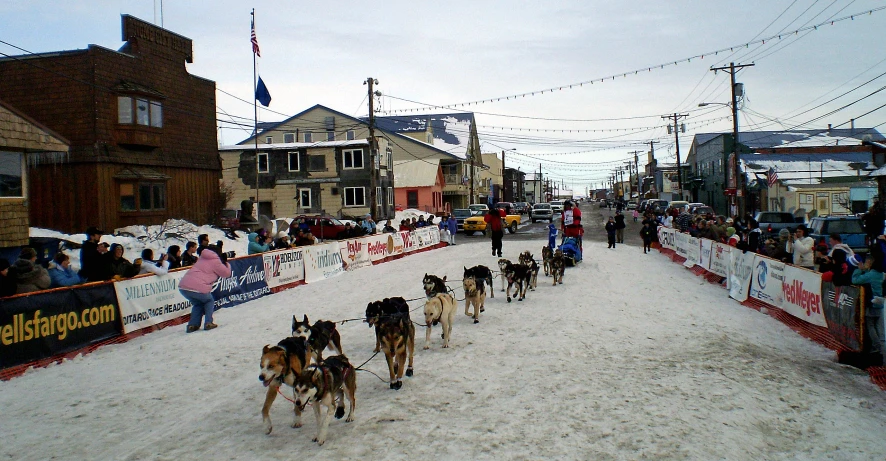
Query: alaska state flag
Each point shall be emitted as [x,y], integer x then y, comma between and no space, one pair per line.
[262,94]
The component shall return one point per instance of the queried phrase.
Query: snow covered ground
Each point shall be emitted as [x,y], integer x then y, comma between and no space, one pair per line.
[632,357]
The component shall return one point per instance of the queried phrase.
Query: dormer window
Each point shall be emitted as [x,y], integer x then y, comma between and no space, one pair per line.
[136,110]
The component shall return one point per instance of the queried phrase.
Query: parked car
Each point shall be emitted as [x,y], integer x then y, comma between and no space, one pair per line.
[642,206]
[658,206]
[604,203]
[678,205]
[631,205]
[703,210]
[323,227]
[460,215]
[477,223]
[541,212]
[478,208]
[521,207]
[849,227]
[557,206]
[507,206]
[229,219]
[771,222]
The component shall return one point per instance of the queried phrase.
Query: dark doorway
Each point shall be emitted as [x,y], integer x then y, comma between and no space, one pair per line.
[412,199]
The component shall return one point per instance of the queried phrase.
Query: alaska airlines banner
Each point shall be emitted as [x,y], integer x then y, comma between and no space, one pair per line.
[802,295]
[148,301]
[247,282]
[322,262]
[767,280]
[284,267]
[42,325]
[355,253]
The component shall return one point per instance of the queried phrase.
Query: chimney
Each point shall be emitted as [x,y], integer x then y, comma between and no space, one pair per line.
[829,128]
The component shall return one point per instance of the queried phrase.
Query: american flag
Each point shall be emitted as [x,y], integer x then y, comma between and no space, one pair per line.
[771,177]
[255,41]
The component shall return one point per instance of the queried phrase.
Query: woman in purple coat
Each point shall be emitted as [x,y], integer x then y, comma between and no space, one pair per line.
[196,286]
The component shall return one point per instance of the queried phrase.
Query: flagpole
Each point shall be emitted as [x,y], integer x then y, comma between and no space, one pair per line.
[255,126]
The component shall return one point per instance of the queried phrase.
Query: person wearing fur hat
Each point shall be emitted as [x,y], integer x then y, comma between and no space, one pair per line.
[29,275]
[8,285]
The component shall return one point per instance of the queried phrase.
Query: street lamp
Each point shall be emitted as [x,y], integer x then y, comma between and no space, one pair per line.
[726,165]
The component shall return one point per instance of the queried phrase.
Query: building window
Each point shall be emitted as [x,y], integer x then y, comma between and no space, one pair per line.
[378,196]
[288,137]
[269,140]
[390,196]
[11,174]
[304,198]
[355,196]
[390,154]
[412,199]
[352,159]
[261,161]
[148,196]
[139,111]
[293,161]
[350,136]
[309,137]
[316,163]
[330,135]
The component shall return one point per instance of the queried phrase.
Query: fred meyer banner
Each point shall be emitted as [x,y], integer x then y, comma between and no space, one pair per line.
[247,282]
[54,322]
[322,262]
[802,295]
[148,301]
[284,267]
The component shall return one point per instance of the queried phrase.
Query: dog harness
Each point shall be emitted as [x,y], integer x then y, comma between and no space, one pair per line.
[327,382]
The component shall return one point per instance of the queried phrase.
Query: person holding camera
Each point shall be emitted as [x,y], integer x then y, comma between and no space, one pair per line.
[149,266]
[801,246]
[258,242]
[196,286]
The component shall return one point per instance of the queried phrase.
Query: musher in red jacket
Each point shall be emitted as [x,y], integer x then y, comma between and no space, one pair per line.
[571,223]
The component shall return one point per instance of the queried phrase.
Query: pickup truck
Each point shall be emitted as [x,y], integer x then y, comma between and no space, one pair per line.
[477,224]
[771,222]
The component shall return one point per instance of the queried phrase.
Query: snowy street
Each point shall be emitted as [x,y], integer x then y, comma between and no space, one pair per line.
[633,357]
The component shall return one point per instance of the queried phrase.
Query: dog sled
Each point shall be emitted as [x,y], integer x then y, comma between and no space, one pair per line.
[571,251]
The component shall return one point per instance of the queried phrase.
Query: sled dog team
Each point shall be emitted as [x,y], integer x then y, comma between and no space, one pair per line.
[297,361]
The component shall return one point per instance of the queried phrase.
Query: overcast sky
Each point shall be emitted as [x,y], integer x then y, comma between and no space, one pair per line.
[461,51]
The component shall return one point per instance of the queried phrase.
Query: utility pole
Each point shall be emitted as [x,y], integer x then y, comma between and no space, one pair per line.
[637,167]
[732,69]
[373,150]
[675,117]
[504,180]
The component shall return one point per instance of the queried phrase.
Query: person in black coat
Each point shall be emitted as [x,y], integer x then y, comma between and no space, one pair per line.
[91,261]
[173,255]
[610,232]
[619,227]
[8,284]
[189,257]
[646,235]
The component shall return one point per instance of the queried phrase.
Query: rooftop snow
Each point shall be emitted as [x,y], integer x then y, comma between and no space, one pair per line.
[452,132]
[296,145]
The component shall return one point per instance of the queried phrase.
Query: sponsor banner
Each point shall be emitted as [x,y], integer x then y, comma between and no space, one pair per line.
[409,241]
[740,271]
[247,282]
[667,237]
[767,280]
[429,236]
[704,259]
[378,248]
[355,253]
[693,252]
[842,309]
[284,267]
[42,325]
[322,262]
[149,301]
[802,295]
[720,259]
[681,242]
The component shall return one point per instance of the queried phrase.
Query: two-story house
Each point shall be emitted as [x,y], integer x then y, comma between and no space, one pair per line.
[142,131]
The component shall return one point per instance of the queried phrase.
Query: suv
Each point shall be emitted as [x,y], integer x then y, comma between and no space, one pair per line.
[557,206]
[771,222]
[478,208]
[849,228]
[521,207]
[322,227]
[460,215]
[540,212]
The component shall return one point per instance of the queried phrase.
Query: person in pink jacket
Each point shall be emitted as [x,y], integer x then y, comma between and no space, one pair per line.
[196,286]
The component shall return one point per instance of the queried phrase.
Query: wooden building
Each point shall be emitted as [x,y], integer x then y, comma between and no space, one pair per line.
[142,131]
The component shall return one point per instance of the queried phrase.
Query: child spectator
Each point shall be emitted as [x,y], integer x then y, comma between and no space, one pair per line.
[646,235]
[60,272]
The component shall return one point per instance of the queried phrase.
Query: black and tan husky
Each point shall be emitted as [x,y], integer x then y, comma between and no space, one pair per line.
[320,335]
[483,275]
[281,364]
[327,384]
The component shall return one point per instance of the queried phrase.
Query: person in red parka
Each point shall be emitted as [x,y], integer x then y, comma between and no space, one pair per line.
[494,224]
[571,223]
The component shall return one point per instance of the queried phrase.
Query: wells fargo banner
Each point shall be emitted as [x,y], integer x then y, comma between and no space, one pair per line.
[148,301]
[667,237]
[247,282]
[355,253]
[322,262]
[767,281]
[284,268]
[720,259]
[802,295]
[740,271]
[45,324]
[842,309]
[693,252]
